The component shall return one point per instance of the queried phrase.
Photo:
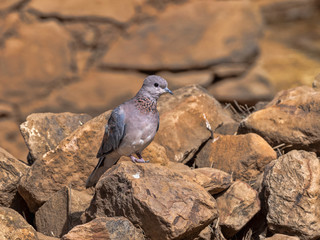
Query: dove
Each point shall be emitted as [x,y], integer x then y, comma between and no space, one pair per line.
[131,127]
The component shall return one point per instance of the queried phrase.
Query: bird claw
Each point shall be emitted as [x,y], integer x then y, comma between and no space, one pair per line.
[138,160]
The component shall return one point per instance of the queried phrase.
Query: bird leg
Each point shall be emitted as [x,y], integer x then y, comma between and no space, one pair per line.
[139,159]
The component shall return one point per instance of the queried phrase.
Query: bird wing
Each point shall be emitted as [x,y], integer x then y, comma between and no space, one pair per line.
[114,132]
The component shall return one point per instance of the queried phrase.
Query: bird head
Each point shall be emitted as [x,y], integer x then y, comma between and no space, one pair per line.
[154,86]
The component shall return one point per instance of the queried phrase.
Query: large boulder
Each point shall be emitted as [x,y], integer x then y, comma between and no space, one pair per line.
[14,226]
[237,206]
[108,228]
[68,165]
[183,121]
[292,191]
[203,39]
[49,129]
[161,201]
[11,170]
[243,156]
[61,212]
[291,118]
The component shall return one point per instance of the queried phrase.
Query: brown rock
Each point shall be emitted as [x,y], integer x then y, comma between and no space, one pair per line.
[275,11]
[291,118]
[203,39]
[36,63]
[243,156]
[292,195]
[45,237]
[106,10]
[282,237]
[176,80]
[159,200]
[236,207]
[228,70]
[11,139]
[182,124]
[108,228]
[6,5]
[13,226]
[11,170]
[211,179]
[101,90]
[68,165]
[49,129]
[61,212]
[248,89]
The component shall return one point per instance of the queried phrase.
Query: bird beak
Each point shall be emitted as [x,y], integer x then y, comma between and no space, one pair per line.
[168,90]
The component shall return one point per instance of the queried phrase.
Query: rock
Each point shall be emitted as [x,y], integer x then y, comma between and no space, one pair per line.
[211,179]
[49,129]
[182,124]
[204,30]
[11,139]
[109,10]
[36,63]
[277,44]
[316,82]
[229,70]
[6,110]
[275,11]
[291,188]
[109,228]
[44,237]
[102,91]
[176,80]
[68,165]
[282,237]
[13,226]
[155,198]
[61,212]
[243,156]
[155,153]
[236,207]
[205,234]
[291,118]
[7,5]
[249,89]
[11,170]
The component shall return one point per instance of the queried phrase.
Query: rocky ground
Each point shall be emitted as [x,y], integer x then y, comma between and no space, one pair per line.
[255,177]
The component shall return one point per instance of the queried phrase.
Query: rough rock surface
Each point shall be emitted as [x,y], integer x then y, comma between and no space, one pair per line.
[102,10]
[211,179]
[69,164]
[254,86]
[105,228]
[159,200]
[243,156]
[282,237]
[292,190]
[61,212]
[49,129]
[291,118]
[182,124]
[236,207]
[14,226]
[11,170]
[203,39]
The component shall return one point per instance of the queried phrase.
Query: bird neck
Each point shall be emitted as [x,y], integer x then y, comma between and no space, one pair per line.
[146,104]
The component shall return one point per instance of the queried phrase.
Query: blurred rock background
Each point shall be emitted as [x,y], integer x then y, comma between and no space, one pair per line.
[88,56]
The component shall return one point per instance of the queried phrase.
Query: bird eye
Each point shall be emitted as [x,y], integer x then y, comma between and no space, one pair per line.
[156,85]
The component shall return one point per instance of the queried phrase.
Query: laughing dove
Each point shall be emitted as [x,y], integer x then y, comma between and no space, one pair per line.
[131,127]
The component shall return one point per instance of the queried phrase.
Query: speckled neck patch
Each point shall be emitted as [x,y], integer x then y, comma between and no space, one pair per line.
[146,105]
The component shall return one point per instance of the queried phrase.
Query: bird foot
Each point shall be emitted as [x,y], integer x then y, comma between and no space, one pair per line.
[138,160]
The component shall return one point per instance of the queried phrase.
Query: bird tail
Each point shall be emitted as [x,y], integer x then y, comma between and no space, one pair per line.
[105,162]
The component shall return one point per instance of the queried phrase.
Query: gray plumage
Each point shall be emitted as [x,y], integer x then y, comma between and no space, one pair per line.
[131,127]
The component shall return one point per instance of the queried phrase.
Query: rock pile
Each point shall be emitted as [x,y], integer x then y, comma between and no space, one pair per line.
[231,186]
